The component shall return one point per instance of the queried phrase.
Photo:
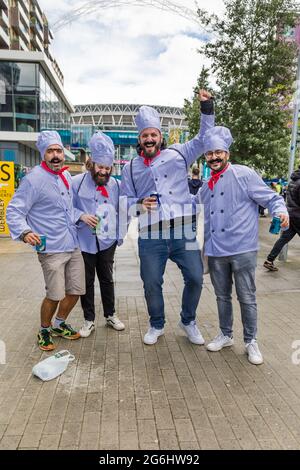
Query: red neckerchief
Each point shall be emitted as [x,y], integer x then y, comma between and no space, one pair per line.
[103,191]
[148,160]
[215,177]
[57,173]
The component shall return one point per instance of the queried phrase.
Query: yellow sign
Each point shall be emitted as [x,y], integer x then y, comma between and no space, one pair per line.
[7,189]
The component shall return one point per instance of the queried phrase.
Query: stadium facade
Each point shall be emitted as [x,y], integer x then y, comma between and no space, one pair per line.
[117,121]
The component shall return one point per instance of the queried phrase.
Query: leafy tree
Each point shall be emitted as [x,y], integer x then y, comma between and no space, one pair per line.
[255,71]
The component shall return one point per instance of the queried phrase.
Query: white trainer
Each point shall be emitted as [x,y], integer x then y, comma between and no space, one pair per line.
[193,333]
[152,335]
[115,323]
[254,354]
[219,342]
[87,328]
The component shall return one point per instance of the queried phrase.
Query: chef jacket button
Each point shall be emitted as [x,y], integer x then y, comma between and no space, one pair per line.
[222,212]
[212,213]
[170,192]
[62,194]
[222,194]
[221,176]
[105,202]
[213,231]
[223,229]
[156,179]
[166,176]
[212,195]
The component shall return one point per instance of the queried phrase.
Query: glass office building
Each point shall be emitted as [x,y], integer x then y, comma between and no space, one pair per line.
[32,99]
[28,100]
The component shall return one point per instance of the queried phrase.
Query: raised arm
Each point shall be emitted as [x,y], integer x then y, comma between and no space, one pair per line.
[193,149]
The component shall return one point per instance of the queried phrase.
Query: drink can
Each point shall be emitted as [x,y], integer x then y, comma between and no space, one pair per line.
[96,229]
[42,246]
[156,195]
[275,226]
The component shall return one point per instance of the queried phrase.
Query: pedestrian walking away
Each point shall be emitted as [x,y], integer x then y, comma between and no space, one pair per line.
[293,207]
[195,182]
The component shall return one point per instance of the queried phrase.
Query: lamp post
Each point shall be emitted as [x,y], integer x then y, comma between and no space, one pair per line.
[284,252]
[296,108]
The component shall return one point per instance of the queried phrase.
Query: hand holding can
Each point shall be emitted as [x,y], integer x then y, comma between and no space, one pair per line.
[42,246]
[275,226]
[96,229]
[155,195]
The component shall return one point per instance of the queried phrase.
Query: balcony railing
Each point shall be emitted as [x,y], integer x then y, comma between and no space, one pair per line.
[4,21]
[4,4]
[4,39]
[18,25]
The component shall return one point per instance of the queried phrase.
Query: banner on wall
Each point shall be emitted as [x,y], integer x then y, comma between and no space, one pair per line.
[7,189]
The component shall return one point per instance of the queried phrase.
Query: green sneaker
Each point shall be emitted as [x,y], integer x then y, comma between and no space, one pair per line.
[65,331]
[45,341]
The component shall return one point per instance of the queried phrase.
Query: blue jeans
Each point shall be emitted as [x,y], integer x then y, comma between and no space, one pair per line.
[154,254]
[242,269]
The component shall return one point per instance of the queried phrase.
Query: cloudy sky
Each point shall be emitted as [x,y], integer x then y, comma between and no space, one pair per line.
[128,54]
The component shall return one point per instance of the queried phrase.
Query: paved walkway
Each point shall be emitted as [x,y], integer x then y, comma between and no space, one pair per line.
[121,394]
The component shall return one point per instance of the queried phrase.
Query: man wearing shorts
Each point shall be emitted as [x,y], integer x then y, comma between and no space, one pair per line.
[43,205]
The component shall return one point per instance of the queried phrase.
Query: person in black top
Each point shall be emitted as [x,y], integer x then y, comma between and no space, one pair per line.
[293,207]
[195,183]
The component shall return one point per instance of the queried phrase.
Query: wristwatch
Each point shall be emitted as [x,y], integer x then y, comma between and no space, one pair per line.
[23,235]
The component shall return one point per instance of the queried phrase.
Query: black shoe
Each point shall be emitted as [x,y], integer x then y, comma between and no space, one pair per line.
[270,266]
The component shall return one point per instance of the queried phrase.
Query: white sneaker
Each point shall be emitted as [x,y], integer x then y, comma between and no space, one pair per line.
[115,323]
[193,333]
[254,354]
[87,328]
[152,335]
[219,342]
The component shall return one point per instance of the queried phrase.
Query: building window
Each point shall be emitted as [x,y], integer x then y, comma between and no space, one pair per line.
[6,123]
[18,97]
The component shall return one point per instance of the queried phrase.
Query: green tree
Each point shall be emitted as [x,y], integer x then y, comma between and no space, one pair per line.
[255,71]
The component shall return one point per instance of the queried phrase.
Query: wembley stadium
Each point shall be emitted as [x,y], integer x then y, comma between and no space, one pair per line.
[117,121]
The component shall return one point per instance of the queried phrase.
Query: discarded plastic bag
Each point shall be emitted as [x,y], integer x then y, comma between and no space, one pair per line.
[53,366]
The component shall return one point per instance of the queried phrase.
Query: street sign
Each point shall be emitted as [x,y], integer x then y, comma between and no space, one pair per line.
[7,189]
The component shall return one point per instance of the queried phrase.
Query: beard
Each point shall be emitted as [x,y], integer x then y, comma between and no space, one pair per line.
[152,151]
[101,180]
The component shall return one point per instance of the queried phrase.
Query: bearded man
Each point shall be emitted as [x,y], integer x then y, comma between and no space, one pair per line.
[156,185]
[96,201]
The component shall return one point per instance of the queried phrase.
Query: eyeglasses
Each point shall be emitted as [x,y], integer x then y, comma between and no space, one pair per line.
[217,153]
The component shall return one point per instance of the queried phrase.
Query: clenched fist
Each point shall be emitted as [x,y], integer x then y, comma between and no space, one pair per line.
[204,95]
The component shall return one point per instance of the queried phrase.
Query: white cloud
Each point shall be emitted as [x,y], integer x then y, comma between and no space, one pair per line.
[128,54]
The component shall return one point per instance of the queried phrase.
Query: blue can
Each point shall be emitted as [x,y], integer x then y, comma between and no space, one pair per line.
[156,195]
[275,226]
[42,246]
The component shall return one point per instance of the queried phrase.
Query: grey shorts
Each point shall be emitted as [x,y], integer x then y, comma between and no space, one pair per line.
[63,273]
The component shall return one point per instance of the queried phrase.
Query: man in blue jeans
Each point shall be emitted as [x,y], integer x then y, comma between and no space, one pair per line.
[231,198]
[156,185]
